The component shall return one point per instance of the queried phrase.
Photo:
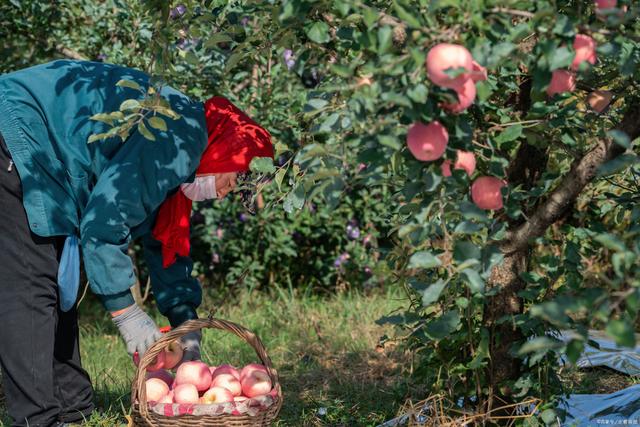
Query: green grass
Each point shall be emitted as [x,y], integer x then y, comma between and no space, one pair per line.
[323,347]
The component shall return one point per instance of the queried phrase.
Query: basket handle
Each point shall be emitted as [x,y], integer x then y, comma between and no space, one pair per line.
[138,389]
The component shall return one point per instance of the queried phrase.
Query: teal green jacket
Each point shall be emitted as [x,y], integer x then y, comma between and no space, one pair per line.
[107,192]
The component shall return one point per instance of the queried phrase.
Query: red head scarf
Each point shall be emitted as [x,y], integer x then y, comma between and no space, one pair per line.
[234,140]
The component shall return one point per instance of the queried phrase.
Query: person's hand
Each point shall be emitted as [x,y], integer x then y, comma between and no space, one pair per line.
[138,330]
[191,346]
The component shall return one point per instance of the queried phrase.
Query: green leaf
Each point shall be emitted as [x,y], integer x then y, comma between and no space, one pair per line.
[168,112]
[390,141]
[130,104]
[329,123]
[562,57]
[233,60]
[97,137]
[144,131]
[406,16]
[464,251]
[574,350]
[158,123]
[564,26]
[611,241]
[482,352]
[418,94]
[315,104]
[622,332]
[443,326]
[295,199]
[467,227]
[539,345]
[384,39]
[217,38]
[620,138]
[279,177]
[129,83]
[549,416]
[511,133]
[423,259]
[399,319]
[473,279]
[319,32]
[432,293]
[617,164]
[262,165]
[103,117]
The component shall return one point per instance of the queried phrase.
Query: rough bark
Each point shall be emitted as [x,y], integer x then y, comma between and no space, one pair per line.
[515,247]
[582,172]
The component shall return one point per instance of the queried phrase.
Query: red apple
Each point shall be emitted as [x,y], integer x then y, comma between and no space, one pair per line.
[256,383]
[445,167]
[561,81]
[250,368]
[446,56]
[229,382]
[217,395]
[585,48]
[168,398]
[599,100]
[479,73]
[156,389]
[466,95]
[427,142]
[157,364]
[173,355]
[227,369]
[485,192]
[186,393]
[466,160]
[194,372]
[162,375]
[606,4]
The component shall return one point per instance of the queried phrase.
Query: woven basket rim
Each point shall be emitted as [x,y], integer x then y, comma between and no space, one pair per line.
[138,391]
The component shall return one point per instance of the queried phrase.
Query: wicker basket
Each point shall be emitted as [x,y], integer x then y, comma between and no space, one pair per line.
[142,416]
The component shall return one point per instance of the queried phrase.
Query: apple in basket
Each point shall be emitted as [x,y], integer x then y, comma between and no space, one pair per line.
[156,389]
[256,383]
[186,393]
[157,364]
[161,374]
[227,369]
[173,355]
[229,382]
[196,373]
[168,398]
[250,368]
[216,395]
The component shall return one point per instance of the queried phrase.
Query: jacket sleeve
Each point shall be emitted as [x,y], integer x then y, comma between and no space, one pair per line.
[132,185]
[176,292]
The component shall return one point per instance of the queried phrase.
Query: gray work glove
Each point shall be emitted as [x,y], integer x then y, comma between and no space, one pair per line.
[191,346]
[138,330]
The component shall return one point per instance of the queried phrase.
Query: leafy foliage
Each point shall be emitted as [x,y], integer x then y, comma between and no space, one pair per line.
[337,83]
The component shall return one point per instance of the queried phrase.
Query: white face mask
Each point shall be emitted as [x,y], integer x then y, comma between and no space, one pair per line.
[203,188]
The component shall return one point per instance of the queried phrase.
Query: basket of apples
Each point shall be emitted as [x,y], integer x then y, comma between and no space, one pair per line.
[202,395]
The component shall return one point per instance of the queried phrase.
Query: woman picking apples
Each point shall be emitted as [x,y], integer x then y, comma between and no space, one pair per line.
[55,186]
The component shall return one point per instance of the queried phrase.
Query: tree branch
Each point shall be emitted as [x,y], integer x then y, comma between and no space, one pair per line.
[583,171]
[69,53]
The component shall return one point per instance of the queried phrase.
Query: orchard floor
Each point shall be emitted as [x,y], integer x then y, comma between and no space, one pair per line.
[325,349]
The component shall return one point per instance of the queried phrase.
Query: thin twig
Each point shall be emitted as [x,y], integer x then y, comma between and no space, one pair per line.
[514,12]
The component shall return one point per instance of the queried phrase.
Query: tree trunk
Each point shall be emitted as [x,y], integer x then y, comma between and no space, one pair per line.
[515,248]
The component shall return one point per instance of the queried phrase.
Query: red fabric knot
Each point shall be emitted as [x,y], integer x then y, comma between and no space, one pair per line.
[234,139]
